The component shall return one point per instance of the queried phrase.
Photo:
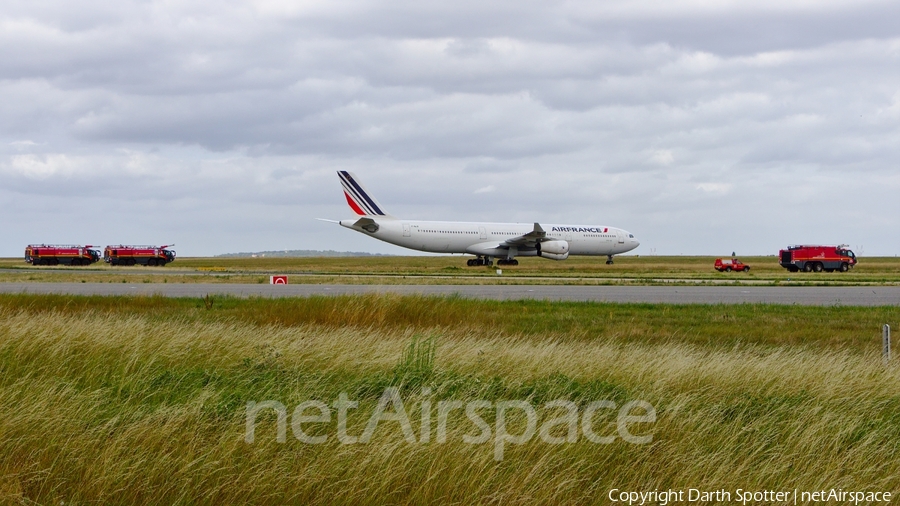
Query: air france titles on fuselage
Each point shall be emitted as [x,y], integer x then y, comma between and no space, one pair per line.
[591,230]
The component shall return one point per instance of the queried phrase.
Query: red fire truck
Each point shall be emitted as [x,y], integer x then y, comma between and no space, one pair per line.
[61,254]
[141,255]
[817,258]
[730,264]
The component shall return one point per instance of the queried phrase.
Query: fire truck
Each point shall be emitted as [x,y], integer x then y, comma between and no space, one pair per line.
[61,254]
[123,254]
[731,264]
[817,258]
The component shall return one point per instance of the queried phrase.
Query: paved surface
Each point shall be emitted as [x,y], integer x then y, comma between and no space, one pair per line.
[822,296]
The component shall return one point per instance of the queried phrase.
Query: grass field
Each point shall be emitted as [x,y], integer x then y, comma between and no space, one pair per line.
[452,270]
[136,400]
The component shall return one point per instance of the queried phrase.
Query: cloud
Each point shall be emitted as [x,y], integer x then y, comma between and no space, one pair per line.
[662,157]
[716,188]
[490,165]
[23,145]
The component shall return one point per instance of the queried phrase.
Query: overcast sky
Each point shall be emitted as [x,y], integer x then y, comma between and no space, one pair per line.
[701,126]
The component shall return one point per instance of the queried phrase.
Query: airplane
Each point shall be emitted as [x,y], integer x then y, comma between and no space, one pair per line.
[486,241]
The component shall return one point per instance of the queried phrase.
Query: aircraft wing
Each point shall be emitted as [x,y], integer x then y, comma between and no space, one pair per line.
[530,239]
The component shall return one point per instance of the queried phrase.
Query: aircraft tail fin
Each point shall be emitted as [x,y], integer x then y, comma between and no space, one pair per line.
[358,198]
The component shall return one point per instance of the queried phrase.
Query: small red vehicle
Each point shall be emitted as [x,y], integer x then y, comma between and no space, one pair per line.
[817,258]
[731,264]
[60,254]
[140,255]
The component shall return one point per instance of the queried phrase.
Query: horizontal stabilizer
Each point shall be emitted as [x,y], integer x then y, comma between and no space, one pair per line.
[367,224]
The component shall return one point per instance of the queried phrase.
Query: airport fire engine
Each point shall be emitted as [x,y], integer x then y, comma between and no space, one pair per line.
[60,254]
[138,255]
[817,258]
[731,264]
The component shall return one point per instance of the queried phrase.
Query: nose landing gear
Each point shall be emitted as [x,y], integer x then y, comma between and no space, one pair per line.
[609,260]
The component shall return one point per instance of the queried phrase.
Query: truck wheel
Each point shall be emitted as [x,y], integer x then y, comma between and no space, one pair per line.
[728,269]
[818,267]
[807,267]
[844,267]
[747,269]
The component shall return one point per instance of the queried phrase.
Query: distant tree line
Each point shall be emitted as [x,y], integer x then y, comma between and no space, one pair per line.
[300,253]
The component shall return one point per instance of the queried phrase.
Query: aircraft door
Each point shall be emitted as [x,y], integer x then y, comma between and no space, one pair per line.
[406,230]
[621,236]
[483,233]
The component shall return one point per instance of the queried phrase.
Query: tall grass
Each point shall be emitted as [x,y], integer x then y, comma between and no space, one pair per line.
[144,401]
[416,366]
[857,329]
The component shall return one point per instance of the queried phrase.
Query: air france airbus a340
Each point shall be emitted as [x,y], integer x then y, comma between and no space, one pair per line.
[487,241]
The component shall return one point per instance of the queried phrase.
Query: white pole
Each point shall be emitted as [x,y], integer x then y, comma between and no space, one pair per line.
[886,343]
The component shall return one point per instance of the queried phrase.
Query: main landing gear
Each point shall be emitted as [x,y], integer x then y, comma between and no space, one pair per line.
[488,261]
[475,262]
[609,260]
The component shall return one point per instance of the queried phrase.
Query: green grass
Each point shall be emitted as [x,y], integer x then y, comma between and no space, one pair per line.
[143,399]
[848,328]
[452,270]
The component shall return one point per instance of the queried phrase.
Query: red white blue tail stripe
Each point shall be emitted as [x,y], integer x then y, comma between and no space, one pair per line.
[357,197]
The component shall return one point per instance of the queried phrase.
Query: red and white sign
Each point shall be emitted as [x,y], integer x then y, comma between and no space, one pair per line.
[278,280]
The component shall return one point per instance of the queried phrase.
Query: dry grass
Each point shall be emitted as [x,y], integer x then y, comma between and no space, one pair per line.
[143,400]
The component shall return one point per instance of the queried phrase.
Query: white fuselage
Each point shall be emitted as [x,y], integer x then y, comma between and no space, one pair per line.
[479,238]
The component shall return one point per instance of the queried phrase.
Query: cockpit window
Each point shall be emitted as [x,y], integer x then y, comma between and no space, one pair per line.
[631,236]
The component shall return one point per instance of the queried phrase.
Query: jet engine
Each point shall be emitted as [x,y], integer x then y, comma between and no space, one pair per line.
[554,250]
